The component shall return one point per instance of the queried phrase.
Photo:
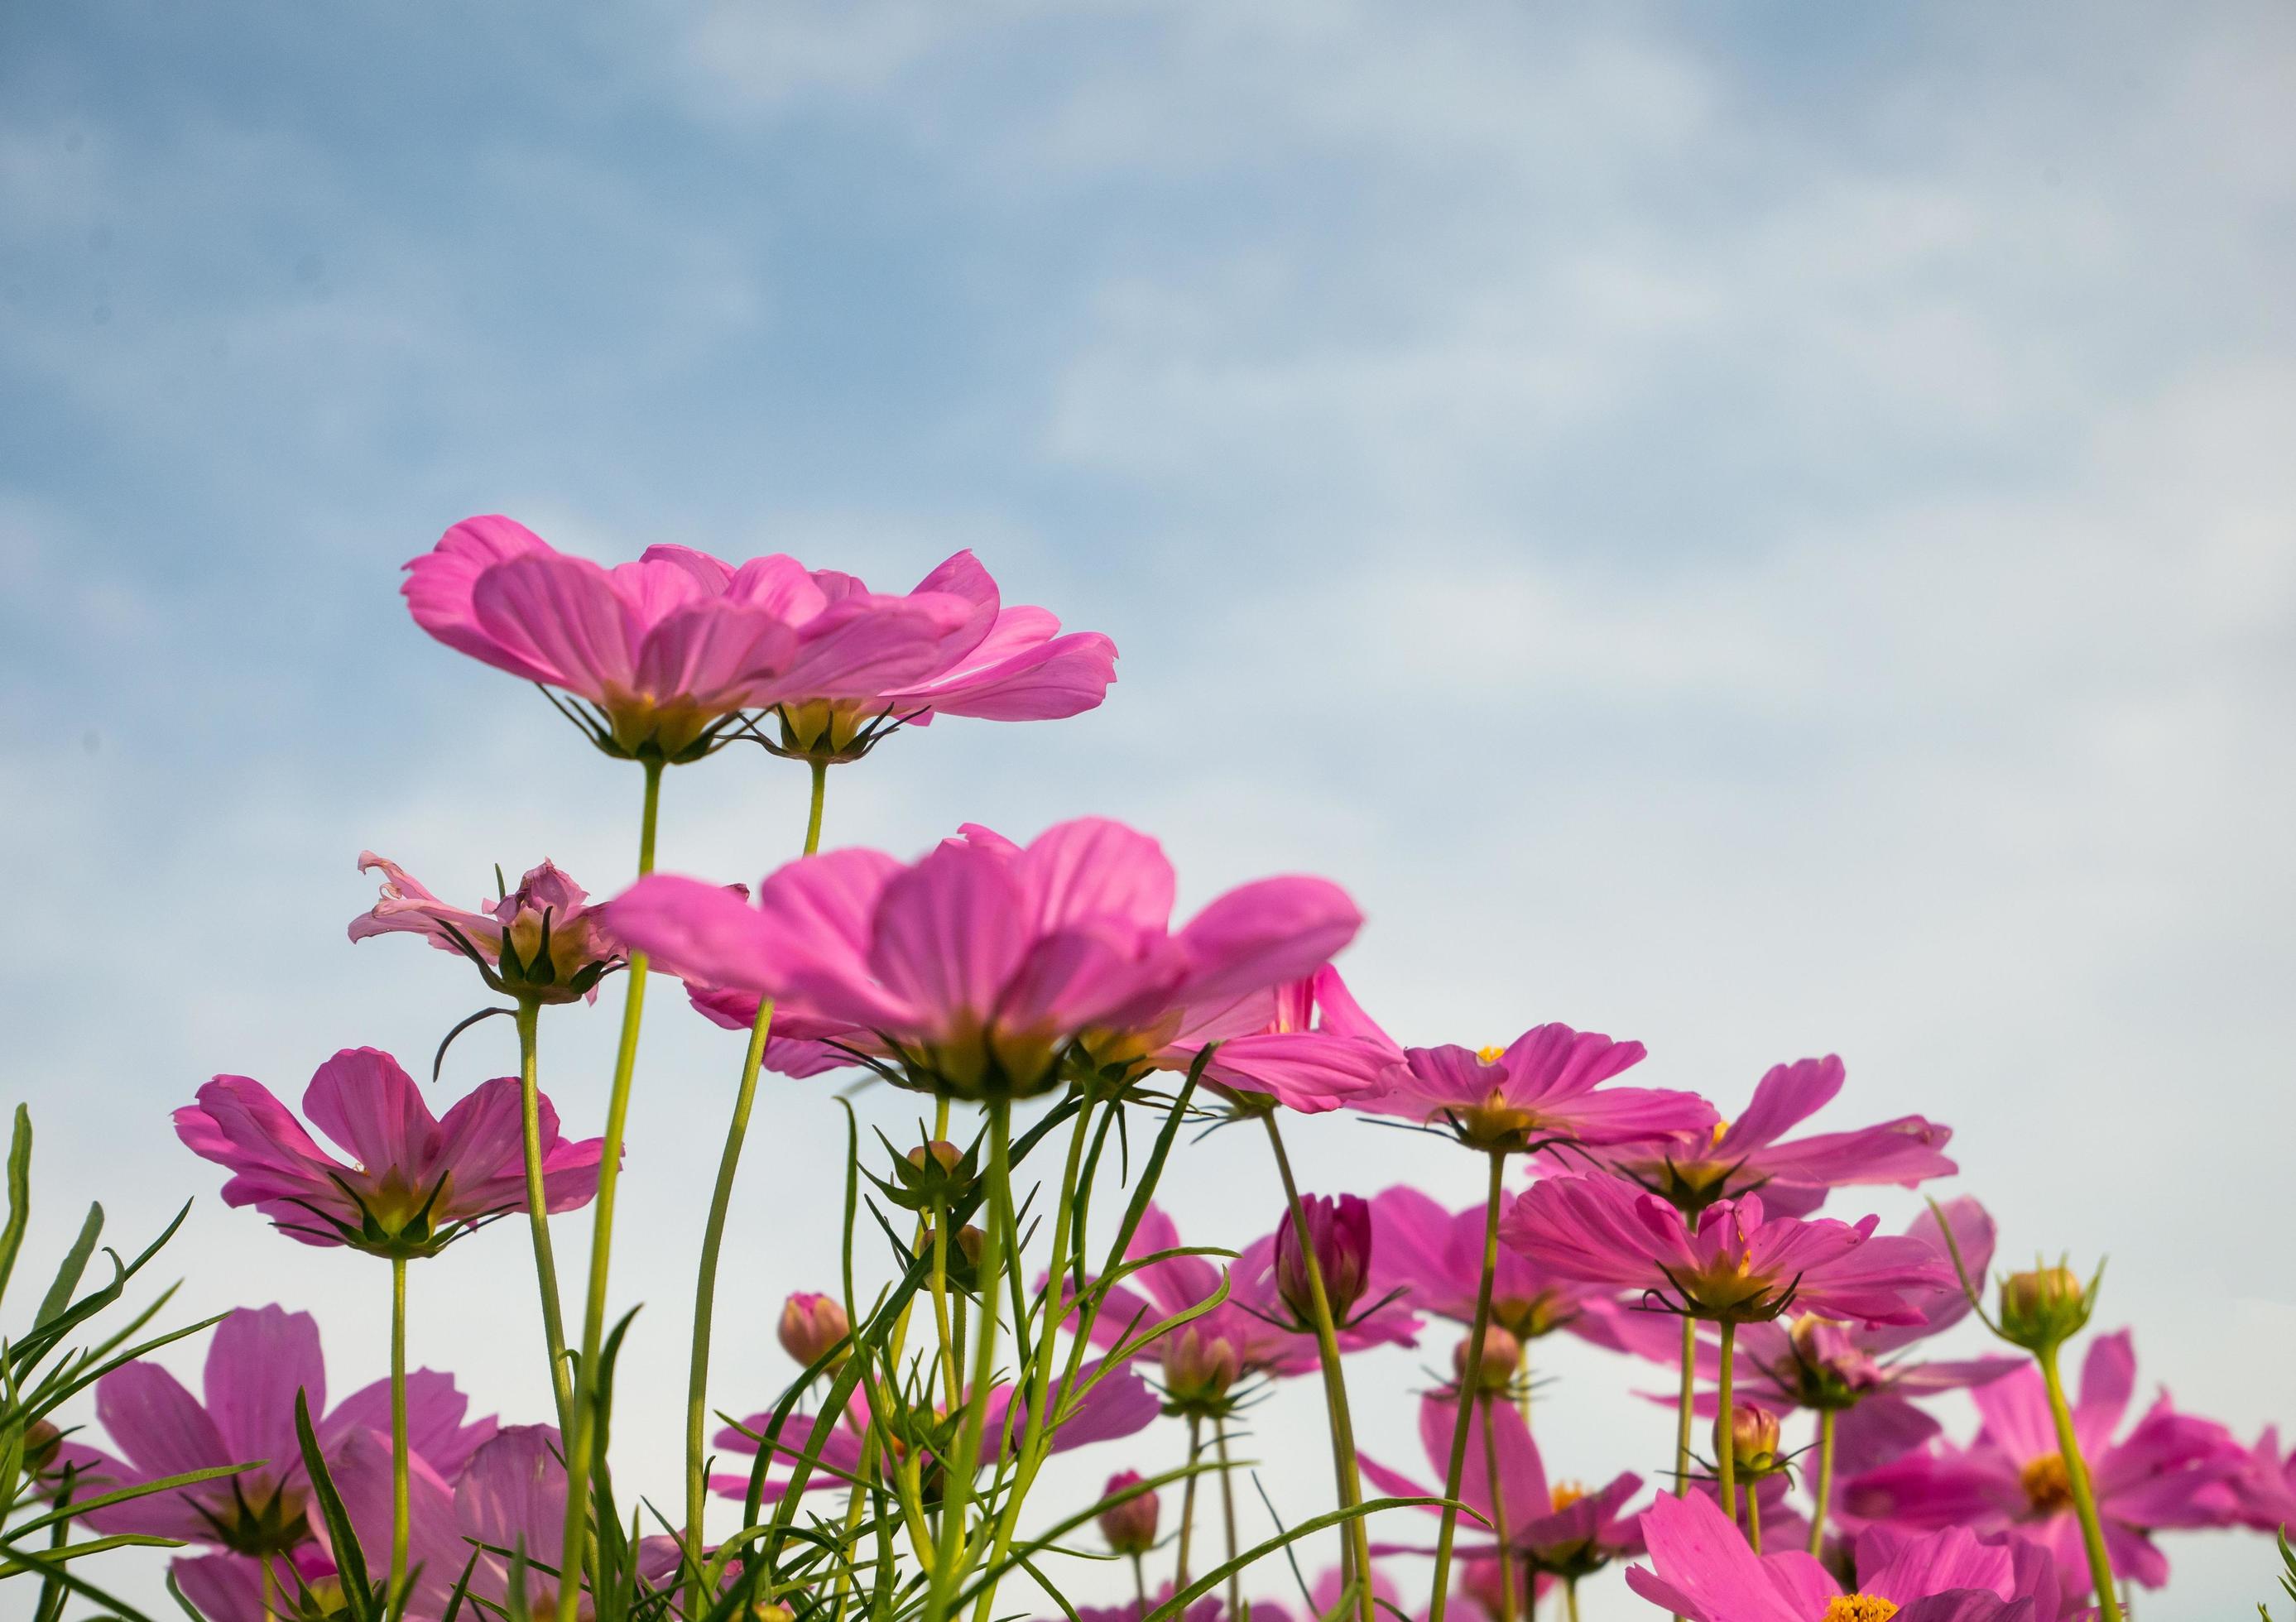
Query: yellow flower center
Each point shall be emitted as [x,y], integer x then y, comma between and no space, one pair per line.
[2048,1486]
[1858,1608]
[1721,1130]
[1566,1494]
[1490,1055]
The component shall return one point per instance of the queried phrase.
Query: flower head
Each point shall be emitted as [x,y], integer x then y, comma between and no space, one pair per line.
[1130,1526]
[539,941]
[414,1182]
[987,969]
[1547,1085]
[1732,1262]
[1436,1256]
[1696,1167]
[812,1326]
[1338,1237]
[1305,1046]
[2045,1306]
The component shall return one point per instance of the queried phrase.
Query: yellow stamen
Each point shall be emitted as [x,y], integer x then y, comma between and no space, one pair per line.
[2048,1487]
[1858,1608]
[1490,1055]
[1566,1494]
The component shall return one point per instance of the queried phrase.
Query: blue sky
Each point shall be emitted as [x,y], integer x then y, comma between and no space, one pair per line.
[1766,534]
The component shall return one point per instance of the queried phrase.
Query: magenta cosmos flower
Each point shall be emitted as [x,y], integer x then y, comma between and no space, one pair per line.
[1695,1168]
[1732,1263]
[541,941]
[1557,1530]
[2171,1470]
[1702,1569]
[259,1359]
[1250,1333]
[415,1184]
[2266,1484]
[1438,1257]
[1547,1085]
[985,968]
[1307,1045]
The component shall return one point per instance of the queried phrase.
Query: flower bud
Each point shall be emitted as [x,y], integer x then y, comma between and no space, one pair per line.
[1340,1233]
[944,1155]
[2044,1307]
[1502,1357]
[1130,1526]
[1197,1372]
[42,1443]
[1753,1438]
[811,1326]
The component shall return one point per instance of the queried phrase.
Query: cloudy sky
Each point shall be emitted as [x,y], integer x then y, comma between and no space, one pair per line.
[1766,533]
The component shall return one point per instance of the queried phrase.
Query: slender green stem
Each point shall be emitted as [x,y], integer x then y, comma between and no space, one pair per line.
[1571,1598]
[1188,1504]
[581,1441]
[397,1428]
[1470,1383]
[713,1238]
[2099,1565]
[956,1483]
[537,1209]
[1227,1514]
[1140,1584]
[1725,1428]
[1682,1414]
[1522,1384]
[1754,1515]
[1826,1419]
[269,1583]
[1498,1511]
[1357,1541]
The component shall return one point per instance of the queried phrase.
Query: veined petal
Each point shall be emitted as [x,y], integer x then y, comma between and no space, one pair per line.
[1786,1095]
[1092,867]
[562,618]
[950,933]
[259,1359]
[372,1108]
[1265,933]
[715,654]
[439,584]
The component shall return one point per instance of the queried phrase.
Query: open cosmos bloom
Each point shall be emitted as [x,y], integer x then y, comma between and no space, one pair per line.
[541,941]
[414,1184]
[2170,1470]
[259,1359]
[1696,1168]
[1307,1045]
[1702,1569]
[984,967]
[1547,1085]
[1436,1256]
[1732,1263]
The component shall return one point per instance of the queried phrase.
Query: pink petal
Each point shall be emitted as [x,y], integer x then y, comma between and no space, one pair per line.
[1265,933]
[439,584]
[1092,867]
[562,618]
[259,1358]
[372,1108]
[713,652]
[950,933]
[1785,1096]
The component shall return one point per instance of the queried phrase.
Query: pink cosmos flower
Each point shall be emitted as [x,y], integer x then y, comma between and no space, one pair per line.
[227,1587]
[1547,1085]
[1250,1333]
[2266,1484]
[1702,1569]
[1695,1168]
[1732,1263]
[259,1358]
[541,940]
[416,1183]
[1118,1404]
[2170,1470]
[1438,1257]
[1559,1530]
[1339,1230]
[984,968]
[1307,1045]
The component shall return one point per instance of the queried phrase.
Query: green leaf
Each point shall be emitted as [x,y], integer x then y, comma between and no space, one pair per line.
[20,1193]
[351,1562]
[75,1263]
[80,1506]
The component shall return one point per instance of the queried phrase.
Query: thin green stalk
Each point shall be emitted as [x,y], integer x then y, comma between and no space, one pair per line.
[1724,1430]
[537,1208]
[269,1581]
[582,1440]
[1824,1481]
[2099,1565]
[1498,1511]
[956,1483]
[1571,1598]
[1522,1381]
[397,1428]
[1227,1514]
[713,1237]
[1470,1382]
[1682,1411]
[1357,1540]
[1188,1504]
[1754,1516]
[1140,1584]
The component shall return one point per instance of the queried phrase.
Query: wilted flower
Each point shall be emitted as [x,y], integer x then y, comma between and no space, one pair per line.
[541,941]
[1130,1526]
[1339,1231]
[812,1326]
[416,1182]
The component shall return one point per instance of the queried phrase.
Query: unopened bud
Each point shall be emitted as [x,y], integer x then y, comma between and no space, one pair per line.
[1753,1438]
[42,1443]
[1197,1372]
[1502,1357]
[770,1611]
[1130,1526]
[1339,1231]
[944,1155]
[2042,1308]
[812,1326]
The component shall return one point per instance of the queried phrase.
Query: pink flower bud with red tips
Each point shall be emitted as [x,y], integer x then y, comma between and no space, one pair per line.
[1501,1359]
[812,1326]
[1130,1526]
[1751,1436]
[1198,1371]
[1340,1230]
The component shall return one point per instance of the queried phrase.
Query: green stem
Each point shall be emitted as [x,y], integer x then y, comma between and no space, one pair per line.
[1683,1410]
[1357,1540]
[1826,1419]
[269,1584]
[1140,1584]
[1227,1514]
[1571,1598]
[1522,1377]
[713,1238]
[956,1483]
[1187,1504]
[2099,1565]
[537,1208]
[582,1440]
[1725,1428]
[1470,1383]
[397,1428]
[1498,1511]
[1754,1516]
